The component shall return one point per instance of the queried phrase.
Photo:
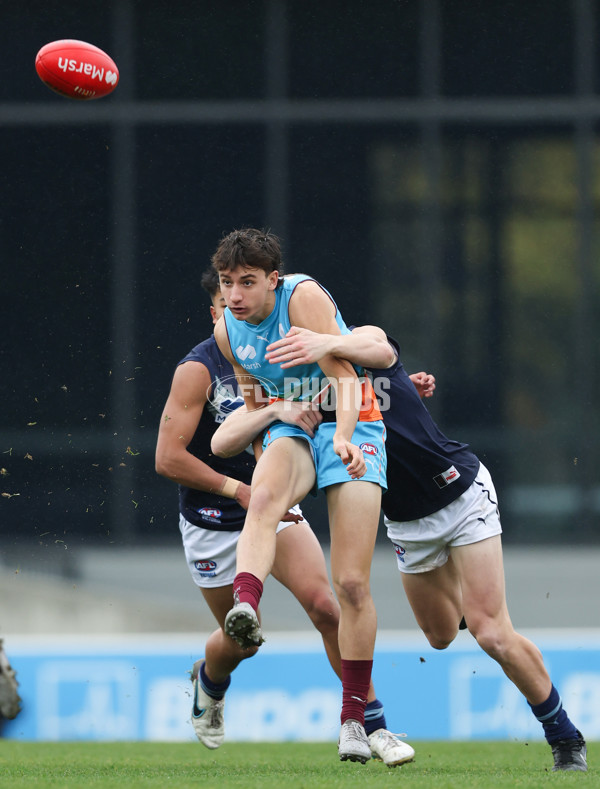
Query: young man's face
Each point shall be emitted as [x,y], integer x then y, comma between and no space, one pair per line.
[249,292]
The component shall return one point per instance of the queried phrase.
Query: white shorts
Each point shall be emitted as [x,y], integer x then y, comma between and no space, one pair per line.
[210,555]
[424,544]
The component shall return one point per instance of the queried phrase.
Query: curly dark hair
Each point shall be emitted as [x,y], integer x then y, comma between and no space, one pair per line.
[210,281]
[249,248]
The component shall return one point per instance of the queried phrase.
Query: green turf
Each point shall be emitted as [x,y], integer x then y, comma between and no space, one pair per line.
[276,766]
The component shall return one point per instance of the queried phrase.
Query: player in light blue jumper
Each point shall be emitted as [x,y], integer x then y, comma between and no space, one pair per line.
[260,305]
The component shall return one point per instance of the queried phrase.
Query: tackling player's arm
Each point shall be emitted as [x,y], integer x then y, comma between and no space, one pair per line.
[372,342]
[311,308]
[243,426]
[178,423]
[366,346]
[246,424]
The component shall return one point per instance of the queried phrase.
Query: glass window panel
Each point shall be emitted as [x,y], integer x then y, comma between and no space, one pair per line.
[353,49]
[200,49]
[193,185]
[507,48]
[510,292]
[55,238]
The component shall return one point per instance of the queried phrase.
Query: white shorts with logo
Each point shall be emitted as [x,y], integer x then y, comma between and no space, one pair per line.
[424,544]
[210,554]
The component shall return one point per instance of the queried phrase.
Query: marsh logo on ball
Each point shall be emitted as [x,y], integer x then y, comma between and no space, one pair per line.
[90,69]
[77,69]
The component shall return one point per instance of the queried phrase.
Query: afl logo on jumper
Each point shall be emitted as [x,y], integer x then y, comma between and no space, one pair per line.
[210,514]
[369,449]
[446,477]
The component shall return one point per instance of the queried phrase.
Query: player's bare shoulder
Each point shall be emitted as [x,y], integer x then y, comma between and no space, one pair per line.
[311,307]
[306,287]
[191,382]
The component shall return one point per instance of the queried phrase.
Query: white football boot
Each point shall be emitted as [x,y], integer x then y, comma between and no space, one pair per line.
[241,624]
[389,749]
[207,713]
[353,744]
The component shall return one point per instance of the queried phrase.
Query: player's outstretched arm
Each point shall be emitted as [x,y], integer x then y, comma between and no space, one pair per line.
[243,426]
[367,346]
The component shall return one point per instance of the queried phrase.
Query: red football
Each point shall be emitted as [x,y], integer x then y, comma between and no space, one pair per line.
[76,69]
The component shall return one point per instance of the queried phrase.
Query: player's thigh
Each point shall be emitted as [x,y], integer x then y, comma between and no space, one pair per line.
[300,565]
[354,509]
[481,571]
[434,596]
[285,470]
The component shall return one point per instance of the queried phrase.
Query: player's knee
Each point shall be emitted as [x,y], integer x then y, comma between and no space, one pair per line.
[491,640]
[266,499]
[352,591]
[323,611]
[440,640]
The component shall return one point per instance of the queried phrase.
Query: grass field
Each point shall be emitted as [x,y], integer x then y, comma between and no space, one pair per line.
[277,766]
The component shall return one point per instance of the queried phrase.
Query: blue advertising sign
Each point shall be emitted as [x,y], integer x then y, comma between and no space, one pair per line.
[139,688]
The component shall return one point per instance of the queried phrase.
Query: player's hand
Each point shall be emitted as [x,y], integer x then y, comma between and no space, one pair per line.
[299,346]
[424,383]
[351,456]
[242,495]
[305,415]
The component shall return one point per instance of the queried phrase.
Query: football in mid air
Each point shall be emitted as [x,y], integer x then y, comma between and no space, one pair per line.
[76,69]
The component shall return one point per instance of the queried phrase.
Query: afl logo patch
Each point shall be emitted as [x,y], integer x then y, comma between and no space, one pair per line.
[400,552]
[369,449]
[210,514]
[205,565]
